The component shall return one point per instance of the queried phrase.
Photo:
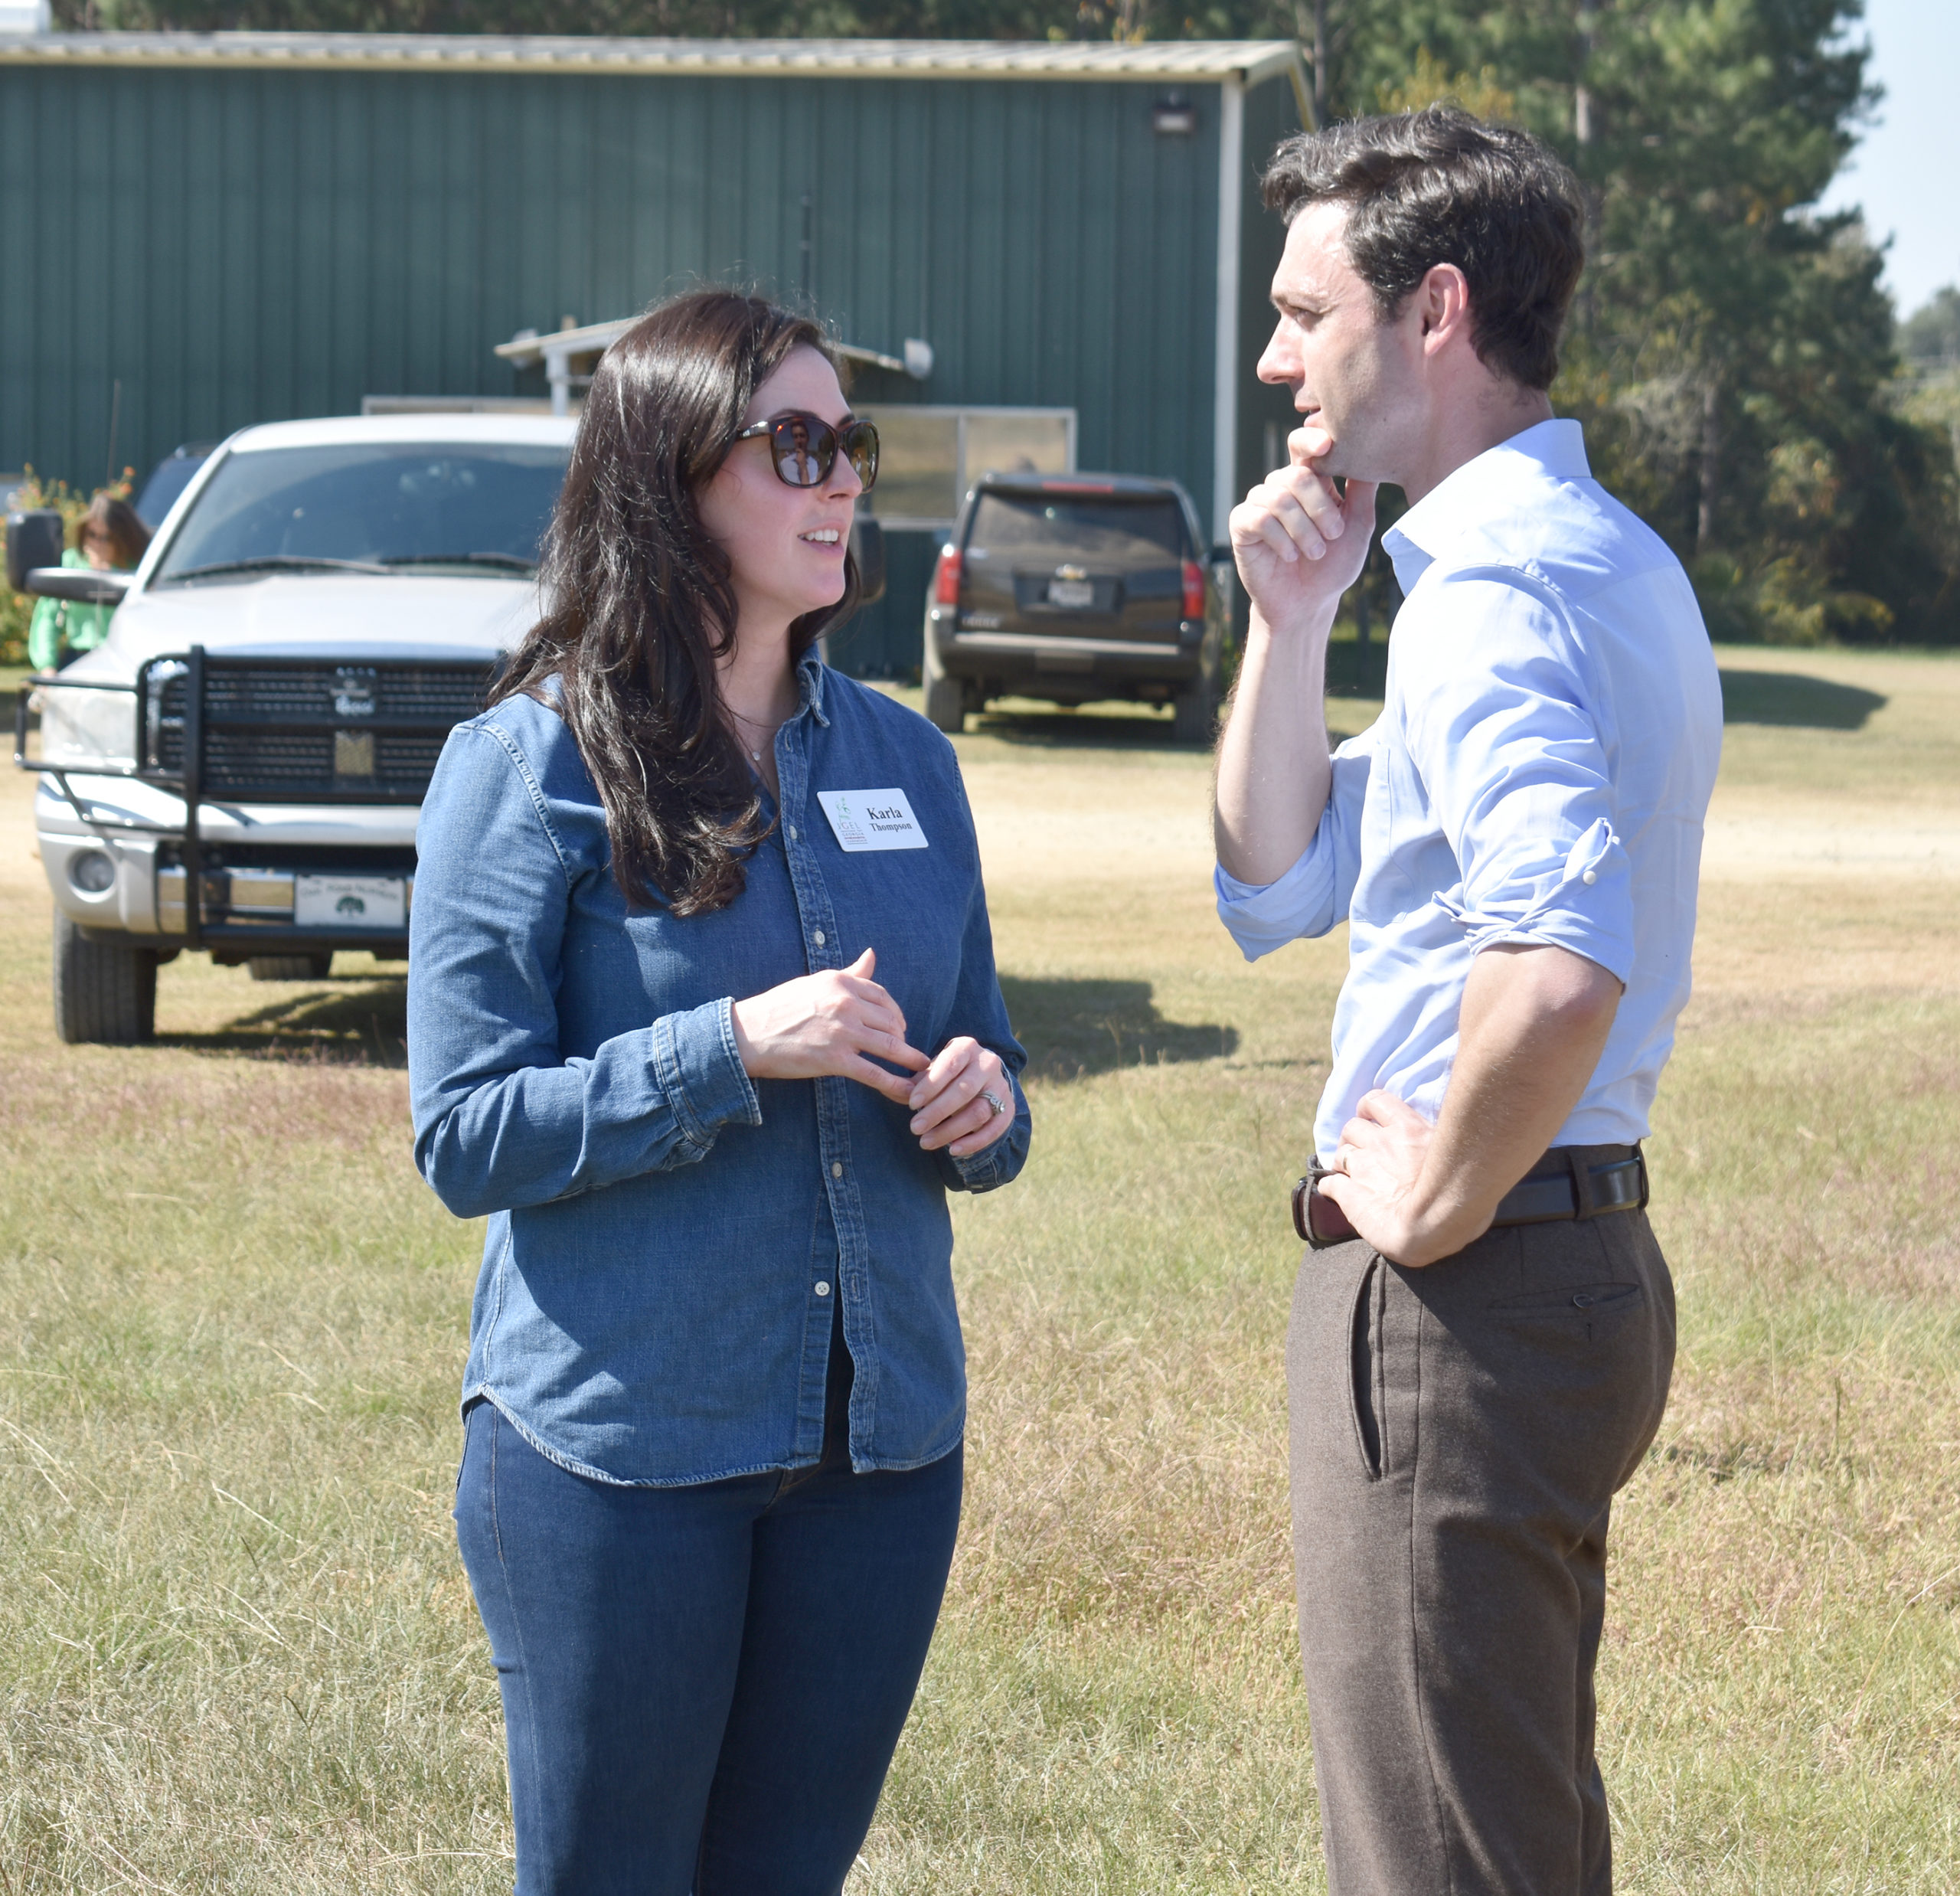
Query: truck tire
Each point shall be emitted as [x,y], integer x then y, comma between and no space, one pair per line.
[1194,716]
[945,698]
[291,967]
[105,992]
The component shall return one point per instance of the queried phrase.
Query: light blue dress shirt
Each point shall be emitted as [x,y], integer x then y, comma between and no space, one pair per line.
[668,1238]
[1539,773]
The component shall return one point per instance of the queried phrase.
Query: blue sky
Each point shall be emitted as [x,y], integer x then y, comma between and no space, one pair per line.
[1904,173]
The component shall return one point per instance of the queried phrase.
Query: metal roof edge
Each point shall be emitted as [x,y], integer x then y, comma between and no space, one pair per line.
[1250,61]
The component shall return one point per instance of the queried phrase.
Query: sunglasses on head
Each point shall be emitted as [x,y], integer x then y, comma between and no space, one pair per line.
[803,448]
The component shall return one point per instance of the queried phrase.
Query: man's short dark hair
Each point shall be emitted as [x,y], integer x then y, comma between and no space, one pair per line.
[1439,186]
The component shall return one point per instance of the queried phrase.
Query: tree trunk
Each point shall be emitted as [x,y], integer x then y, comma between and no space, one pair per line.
[1711,463]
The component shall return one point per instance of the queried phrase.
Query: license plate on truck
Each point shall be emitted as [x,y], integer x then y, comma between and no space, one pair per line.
[349,901]
[1072,592]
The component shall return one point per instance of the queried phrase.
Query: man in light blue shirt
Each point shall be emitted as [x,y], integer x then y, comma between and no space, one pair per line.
[1483,1330]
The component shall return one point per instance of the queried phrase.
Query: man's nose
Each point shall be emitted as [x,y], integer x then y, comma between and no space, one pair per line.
[1281,361]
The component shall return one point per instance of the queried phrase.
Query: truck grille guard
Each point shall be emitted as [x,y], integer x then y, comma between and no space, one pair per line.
[265,730]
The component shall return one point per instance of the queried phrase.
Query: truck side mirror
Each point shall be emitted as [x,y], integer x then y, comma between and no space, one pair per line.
[82,585]
[33,538]
[867,543]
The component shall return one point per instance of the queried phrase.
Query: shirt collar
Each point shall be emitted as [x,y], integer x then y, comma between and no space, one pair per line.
[810,686]
[1554,450]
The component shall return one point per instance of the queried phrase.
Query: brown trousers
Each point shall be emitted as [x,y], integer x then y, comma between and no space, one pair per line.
[1458,1434]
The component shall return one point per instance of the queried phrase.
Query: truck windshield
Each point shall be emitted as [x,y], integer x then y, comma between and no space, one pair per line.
[478,508]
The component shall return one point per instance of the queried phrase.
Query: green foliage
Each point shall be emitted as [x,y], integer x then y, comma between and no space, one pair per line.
[1929,338]
[1732,349]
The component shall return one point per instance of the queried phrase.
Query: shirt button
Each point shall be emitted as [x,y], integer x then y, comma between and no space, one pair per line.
[817,936]
[792,832]
[823,1288]
[1589,878]
[836,1169]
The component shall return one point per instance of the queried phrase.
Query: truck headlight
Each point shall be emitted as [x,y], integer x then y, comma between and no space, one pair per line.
[82,728]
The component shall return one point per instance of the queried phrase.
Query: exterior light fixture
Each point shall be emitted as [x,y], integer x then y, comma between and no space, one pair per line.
[1173,116]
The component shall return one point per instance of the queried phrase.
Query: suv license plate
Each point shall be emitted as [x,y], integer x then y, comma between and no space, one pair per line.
[349,901]
[1071,592]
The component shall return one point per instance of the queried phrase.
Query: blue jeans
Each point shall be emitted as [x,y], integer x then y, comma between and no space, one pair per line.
[703,1686]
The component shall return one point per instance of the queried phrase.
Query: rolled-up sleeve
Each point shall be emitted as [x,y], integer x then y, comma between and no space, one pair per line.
[1517,771]
[1313,895]
[502,1119]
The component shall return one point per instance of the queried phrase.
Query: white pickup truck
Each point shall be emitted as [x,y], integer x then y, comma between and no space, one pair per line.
[239,767]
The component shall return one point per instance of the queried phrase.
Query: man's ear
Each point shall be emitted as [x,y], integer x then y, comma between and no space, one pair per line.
[1443,298]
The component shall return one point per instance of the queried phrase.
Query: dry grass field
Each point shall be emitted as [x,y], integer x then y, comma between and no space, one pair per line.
[237,1653]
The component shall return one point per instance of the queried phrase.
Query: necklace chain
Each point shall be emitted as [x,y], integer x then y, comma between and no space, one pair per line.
[756,723]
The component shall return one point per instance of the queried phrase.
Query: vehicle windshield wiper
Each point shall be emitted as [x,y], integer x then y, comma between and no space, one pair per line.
[270,562]
[504,562]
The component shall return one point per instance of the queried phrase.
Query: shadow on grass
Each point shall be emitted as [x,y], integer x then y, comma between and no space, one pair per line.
[1072,1029]
[1790,699]
[363,1024]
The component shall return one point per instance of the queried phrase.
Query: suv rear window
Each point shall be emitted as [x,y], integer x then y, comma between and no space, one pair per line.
[1146,531]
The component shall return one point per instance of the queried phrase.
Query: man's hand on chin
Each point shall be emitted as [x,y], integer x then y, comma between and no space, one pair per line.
[1378,1182]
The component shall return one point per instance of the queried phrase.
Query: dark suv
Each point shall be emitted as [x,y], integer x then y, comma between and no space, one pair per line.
[1073,588]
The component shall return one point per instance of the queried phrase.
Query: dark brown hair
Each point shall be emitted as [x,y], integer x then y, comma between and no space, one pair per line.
[120,524]
[1438,186]
[638,603]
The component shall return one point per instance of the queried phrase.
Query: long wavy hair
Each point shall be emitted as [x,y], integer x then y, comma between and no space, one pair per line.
[637,600]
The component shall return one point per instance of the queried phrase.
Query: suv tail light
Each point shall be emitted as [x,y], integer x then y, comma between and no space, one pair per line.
[946,581]
[1194,590]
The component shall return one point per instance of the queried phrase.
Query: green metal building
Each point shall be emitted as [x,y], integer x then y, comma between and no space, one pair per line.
[204,231]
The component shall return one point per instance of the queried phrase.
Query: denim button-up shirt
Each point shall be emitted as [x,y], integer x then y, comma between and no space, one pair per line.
[667,1236]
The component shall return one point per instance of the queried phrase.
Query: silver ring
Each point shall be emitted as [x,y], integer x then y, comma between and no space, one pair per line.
[999,1106]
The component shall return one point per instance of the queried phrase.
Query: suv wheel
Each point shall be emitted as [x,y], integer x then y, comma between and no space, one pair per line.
[1194,716]
[290,967]
[105,992]
[945,698]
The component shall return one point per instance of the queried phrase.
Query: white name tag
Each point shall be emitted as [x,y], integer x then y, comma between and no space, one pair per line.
[871,819]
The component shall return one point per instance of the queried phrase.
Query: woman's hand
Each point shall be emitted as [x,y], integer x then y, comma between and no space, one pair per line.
[831,1022]
[950,1103]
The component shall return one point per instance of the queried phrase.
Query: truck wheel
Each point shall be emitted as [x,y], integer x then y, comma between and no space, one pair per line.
[945,698]
[1194,715]
[105,992]
[290,967]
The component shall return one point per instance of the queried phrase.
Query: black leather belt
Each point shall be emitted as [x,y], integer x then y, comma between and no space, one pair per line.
[1570,1181]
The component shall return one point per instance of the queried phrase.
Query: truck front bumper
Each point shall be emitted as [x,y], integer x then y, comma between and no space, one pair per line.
[112,865]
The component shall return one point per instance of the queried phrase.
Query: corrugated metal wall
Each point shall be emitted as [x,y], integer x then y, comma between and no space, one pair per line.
[247,245]
[239,246]
[1270,117]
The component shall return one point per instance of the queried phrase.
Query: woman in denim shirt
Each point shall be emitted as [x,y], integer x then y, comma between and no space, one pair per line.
[703,1014]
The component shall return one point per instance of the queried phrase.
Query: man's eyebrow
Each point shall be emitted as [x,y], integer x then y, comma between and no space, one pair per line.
[1290,302]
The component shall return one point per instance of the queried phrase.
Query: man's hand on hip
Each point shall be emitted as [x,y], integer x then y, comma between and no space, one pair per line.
[1533,1024]
[1378,1183]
